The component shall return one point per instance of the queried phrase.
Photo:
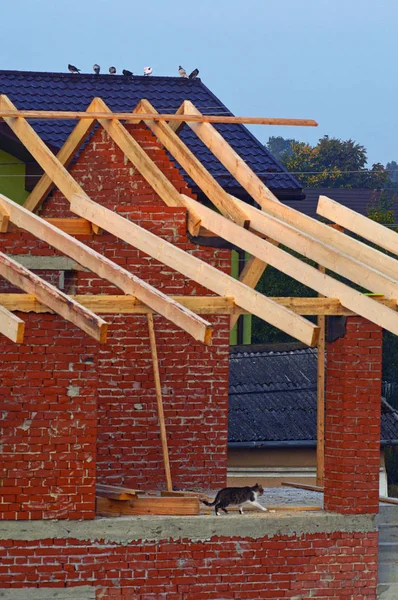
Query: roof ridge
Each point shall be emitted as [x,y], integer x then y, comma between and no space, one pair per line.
[67,74]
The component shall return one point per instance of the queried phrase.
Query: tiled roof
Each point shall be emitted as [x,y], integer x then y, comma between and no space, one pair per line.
[65,91]
[273,398]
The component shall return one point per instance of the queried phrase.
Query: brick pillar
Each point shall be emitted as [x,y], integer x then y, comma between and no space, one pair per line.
[352,421]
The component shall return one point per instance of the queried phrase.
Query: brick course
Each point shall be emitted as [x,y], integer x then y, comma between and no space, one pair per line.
[317,566]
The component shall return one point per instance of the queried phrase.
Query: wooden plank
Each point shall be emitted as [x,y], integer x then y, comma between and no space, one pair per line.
[287,215]
[45,184]
[320,413]
[49,295]
[4,220]
[388,500]
[105,268]
[188,161]
[175,125]
[178,493]
[148,505]
[303,486]
[159,401]
[11,326]
[251,275]
[73,226]
[145,165]
[196,269]
[129,305]
[8,112]
[370,230]
[297,269]
[100,493]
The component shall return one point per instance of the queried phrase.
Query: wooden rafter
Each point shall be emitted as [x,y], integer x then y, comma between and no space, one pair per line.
[11,326]
[107,269]
[193,166]
[13,112]
[50,296]
[4,220]
[295,268]
[45,184]
[148,169]
[204,305]
[197,270]
[359,224]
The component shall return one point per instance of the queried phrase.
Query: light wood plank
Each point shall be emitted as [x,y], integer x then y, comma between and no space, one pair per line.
[175,125]
[4,220]
[114,493]
[65,156]
[105,268]
[205,305]
[197,270]
[303,486]
[148,505]
[72,226]
[267,200]
[370,230]
[8,112]
[297,269]
[251,275]
[159,401]
[188,161]
[47,294]
[11,326]
[148,169]
[320,413]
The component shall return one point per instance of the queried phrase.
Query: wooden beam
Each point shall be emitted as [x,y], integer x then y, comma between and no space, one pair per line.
[105,268]
[11,326]
[203,305]
[251,275]
[7,113]
[65,156]
[196,269]
[4,220]
[303,486]
[148,505]
[148,169]
[72,226]
[159,401]
[297,269]
[49,295]
[287,215]
[320,413]
[114,493]
[370,230]
[188,161]
[175,125]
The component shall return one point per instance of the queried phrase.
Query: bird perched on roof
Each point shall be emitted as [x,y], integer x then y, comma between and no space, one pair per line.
[194,74]
[127,73]
[148,71]
[96,69]
[112,70]
[73,69]
[182,71]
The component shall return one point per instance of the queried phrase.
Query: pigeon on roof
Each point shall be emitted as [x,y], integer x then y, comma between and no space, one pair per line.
[194,74]
[96,69]
[127,73]
[112,70]
[73,69]
[182,71]
[148,71]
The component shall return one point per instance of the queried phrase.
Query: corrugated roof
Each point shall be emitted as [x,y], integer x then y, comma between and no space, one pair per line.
[273,398]
[66,91]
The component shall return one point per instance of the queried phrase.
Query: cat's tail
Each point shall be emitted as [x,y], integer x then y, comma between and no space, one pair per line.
[207,502]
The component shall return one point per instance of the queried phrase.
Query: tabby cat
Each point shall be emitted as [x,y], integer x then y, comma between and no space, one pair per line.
[236,496]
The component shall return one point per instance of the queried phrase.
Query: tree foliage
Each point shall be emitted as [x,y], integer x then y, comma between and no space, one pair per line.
[280,147]
[332,163]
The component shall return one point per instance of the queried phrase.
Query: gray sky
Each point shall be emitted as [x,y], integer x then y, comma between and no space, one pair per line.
[330,60]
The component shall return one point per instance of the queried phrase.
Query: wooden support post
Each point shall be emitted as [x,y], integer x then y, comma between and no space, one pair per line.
[11,326]
[159,400]
[4,220]
[320,414]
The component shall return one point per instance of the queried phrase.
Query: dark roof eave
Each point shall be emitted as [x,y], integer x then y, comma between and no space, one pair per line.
[289,444]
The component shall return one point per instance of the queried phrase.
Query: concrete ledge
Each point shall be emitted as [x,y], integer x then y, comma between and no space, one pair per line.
[81,592]
[124,530]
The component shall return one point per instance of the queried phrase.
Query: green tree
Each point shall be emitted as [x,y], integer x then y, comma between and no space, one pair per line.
[334,163]
[280,147]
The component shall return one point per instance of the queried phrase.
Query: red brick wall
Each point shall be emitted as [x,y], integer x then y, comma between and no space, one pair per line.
[352,446]
[48,391]
[194,377]
[319,566]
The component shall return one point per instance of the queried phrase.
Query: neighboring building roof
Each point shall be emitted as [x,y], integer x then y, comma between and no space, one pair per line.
[273,398]
[65,91]
[358,200]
